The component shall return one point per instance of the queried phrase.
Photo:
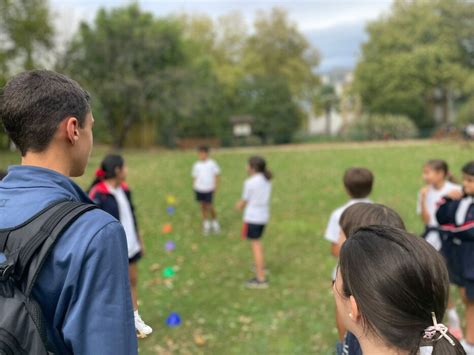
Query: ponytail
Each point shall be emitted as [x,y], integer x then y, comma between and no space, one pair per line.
[442,341]
[259,165]
[450,177]
[443,346]
[99,176]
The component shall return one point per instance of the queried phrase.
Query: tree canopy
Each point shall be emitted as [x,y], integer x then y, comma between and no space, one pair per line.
[421,53]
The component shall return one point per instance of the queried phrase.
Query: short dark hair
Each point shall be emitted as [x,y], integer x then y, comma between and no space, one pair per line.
[2,174]
[364,214]
[397,280]
[469,168]
[34,103]
[203,148]
[358,182]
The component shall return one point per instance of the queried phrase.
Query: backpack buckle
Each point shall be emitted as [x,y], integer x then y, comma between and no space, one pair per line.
[6,270]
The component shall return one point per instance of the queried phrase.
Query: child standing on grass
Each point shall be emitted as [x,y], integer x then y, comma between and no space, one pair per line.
[436,177]
[110,192]
[256,202]
[354,217]
[358,183]
[206,175]
[456,219]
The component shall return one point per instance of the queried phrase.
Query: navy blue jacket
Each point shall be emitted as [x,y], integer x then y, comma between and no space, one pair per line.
[83,288]
[449,228]
[104,199]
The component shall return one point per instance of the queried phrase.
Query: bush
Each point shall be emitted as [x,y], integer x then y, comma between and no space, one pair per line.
[377,127]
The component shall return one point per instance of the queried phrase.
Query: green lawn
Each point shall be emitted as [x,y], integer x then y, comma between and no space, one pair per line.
[295,315]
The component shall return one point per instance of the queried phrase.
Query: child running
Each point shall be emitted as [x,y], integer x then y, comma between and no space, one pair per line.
[358,183]
[456,219]
[436,177]
[356,216]
[111,193]
[256,201]
[206,175]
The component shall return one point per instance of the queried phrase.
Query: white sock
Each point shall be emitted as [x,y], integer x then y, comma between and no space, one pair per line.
[453,318]
[215,222]
[207,224]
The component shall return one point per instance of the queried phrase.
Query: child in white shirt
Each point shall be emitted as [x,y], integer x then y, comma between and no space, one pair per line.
[436,177]
[358,184]
[206,175]
[256,204]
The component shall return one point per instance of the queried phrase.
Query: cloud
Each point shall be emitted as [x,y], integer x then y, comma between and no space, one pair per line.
[335,27]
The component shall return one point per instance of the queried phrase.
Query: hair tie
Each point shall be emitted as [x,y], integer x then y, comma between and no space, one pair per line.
[431,331]
[100,173]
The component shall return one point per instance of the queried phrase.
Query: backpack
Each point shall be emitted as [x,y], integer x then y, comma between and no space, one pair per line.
[26,247]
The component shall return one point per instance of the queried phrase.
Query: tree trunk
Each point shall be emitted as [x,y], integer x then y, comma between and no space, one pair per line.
[328,119]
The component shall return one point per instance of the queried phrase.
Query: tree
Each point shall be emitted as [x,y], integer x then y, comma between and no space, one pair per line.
[420,54]
[325,101]
[277,48]
[26,32]
[128,60]
[268,99]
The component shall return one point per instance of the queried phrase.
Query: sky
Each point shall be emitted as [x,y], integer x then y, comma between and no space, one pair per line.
[335,27]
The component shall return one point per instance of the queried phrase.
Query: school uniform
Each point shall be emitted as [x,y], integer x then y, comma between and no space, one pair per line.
[433,196]
[333,229]
[456,219]
[118,202]
[257,193]
[204,174]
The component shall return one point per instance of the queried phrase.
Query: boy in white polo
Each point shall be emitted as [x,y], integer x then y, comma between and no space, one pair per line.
[206,175]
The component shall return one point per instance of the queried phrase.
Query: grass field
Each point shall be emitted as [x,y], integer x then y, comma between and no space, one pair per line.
[295,315]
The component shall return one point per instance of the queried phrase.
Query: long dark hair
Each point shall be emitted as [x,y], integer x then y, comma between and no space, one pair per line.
[397,280]
[441,165]
[365,214]
[259,165]
[108,168]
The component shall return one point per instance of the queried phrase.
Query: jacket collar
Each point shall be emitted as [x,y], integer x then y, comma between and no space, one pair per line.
[25,176]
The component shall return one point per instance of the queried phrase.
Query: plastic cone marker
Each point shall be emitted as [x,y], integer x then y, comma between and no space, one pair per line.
[168,272]
[167,228]
[173,320]
[170,245]
[171,200]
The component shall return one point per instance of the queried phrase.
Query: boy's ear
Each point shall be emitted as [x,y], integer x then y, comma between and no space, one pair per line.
[72,130]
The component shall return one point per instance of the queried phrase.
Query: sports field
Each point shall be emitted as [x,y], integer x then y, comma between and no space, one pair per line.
[219,315]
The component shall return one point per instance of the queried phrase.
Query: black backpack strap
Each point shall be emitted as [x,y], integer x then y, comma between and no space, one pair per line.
[30,244]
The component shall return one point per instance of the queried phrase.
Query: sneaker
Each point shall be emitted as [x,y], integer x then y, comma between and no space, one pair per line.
[456,332]
[143,330]
[206,227]
[254,283]
[216,228]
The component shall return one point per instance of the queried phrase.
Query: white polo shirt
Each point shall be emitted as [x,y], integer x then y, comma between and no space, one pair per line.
[204,174]
[433,197]
[257,193]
